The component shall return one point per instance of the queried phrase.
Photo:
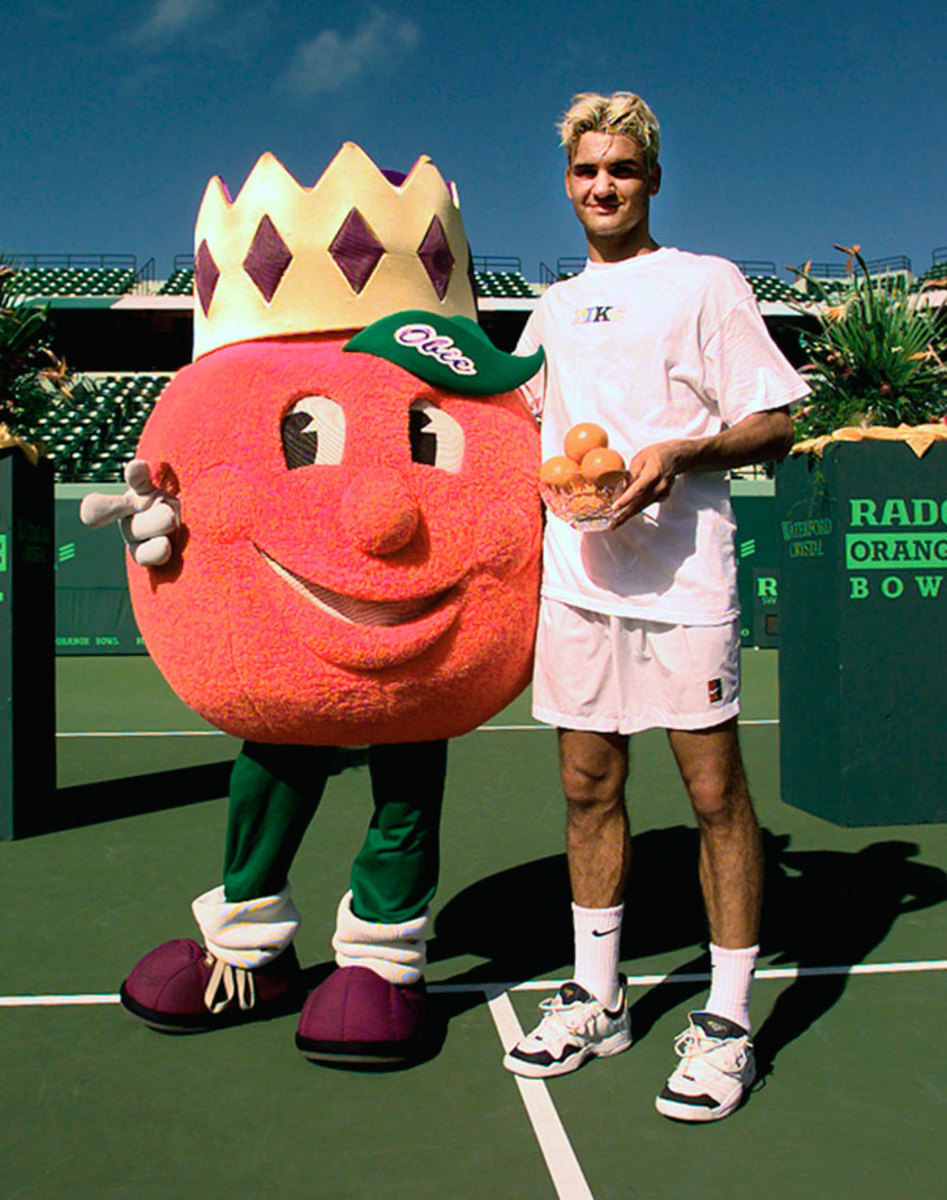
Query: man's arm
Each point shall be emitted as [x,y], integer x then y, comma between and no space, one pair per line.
[760,437]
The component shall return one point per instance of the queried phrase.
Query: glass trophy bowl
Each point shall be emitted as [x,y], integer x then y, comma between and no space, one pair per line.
[585,506]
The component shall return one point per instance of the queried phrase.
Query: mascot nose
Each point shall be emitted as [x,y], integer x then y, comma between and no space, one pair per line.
[378,513]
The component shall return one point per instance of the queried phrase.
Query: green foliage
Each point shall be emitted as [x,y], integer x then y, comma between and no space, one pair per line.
[32,378]
[878,357]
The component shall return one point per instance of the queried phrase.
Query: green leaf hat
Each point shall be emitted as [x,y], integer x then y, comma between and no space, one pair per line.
[452,353]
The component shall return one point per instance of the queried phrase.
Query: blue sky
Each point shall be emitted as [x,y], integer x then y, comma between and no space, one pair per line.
[787,126]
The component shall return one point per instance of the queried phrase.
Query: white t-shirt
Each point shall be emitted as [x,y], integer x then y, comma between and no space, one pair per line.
[665,345]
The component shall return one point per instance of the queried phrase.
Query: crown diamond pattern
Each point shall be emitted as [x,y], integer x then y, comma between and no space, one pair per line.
[435,253]
[352,249]
[206,274]
[355,250]
[267,259]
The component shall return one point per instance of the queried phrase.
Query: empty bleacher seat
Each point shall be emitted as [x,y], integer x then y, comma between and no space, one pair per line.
[771,290]
[47,282]
[503,285]
[91,439]
[179,283]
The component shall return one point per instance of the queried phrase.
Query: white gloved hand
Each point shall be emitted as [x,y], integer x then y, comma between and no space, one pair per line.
[147,516]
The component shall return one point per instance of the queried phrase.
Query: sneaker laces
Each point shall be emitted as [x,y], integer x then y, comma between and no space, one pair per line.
[694,1044]
[227,982]
[564,1017]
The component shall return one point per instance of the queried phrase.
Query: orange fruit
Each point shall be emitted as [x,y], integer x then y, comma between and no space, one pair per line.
[601,462]
[559,471]
[582,438]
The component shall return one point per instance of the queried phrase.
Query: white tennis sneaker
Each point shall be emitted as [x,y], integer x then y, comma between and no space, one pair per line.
[575,1027]
[716,1070]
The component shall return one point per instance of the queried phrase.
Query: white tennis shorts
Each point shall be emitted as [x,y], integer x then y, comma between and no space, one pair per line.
[622,675]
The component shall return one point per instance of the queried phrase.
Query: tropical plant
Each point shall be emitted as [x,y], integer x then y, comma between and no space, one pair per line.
[32,376]
[879,356]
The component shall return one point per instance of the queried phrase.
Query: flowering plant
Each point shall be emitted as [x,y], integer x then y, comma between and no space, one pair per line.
[878,357]
[32,377]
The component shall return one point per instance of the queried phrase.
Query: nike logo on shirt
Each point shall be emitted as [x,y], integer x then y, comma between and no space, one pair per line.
[596,314]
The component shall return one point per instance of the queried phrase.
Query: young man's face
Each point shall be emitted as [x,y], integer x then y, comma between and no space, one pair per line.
[610,188]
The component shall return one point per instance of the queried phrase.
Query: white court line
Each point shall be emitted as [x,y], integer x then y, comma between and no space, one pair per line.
[180,733]
[144,733]
[917,966]
[891,968]
[56,1001]
[548,728]
[563,1166]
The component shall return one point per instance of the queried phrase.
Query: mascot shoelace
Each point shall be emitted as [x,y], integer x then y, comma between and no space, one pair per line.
[333,537]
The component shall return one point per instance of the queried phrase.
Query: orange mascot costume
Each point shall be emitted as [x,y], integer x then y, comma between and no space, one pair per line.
[333,532]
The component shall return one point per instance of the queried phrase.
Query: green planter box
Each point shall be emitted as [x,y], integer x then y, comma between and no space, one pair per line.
[27,662]
[863,634]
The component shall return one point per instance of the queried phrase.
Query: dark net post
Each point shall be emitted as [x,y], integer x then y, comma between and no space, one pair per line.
[27,644]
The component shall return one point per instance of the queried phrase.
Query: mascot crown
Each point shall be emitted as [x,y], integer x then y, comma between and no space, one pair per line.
[282,259]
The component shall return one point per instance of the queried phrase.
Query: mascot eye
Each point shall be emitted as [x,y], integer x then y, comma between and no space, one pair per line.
[436,438]
[313,433]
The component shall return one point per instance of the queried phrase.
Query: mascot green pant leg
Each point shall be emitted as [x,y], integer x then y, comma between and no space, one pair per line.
[274,792]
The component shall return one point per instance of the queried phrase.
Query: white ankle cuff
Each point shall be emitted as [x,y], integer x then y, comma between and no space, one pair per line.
[396,951]
[246,933]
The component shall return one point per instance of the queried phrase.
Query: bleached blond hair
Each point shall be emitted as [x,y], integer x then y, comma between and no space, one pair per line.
[621,112]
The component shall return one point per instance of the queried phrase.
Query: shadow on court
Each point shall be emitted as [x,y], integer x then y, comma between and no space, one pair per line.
[822,908]
[112,799]
[827,908]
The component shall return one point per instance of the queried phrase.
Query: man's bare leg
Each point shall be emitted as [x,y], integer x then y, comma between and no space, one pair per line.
[716,1067]
[591,1019]
[593,768]
[731,857]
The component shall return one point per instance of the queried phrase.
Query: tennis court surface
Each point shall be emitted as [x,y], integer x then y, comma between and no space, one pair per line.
[847,1008]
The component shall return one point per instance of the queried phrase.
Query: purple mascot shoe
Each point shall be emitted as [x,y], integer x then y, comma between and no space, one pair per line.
[179,987]
[357,1018]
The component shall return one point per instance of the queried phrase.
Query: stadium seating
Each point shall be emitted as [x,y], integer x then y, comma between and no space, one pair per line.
[179,283]
[91,436]
[937,272]
[47,282]
[494,284]
[770,290]
[510,285]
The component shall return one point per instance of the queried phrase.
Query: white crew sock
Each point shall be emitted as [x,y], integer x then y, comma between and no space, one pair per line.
[597,941]
[731,975]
